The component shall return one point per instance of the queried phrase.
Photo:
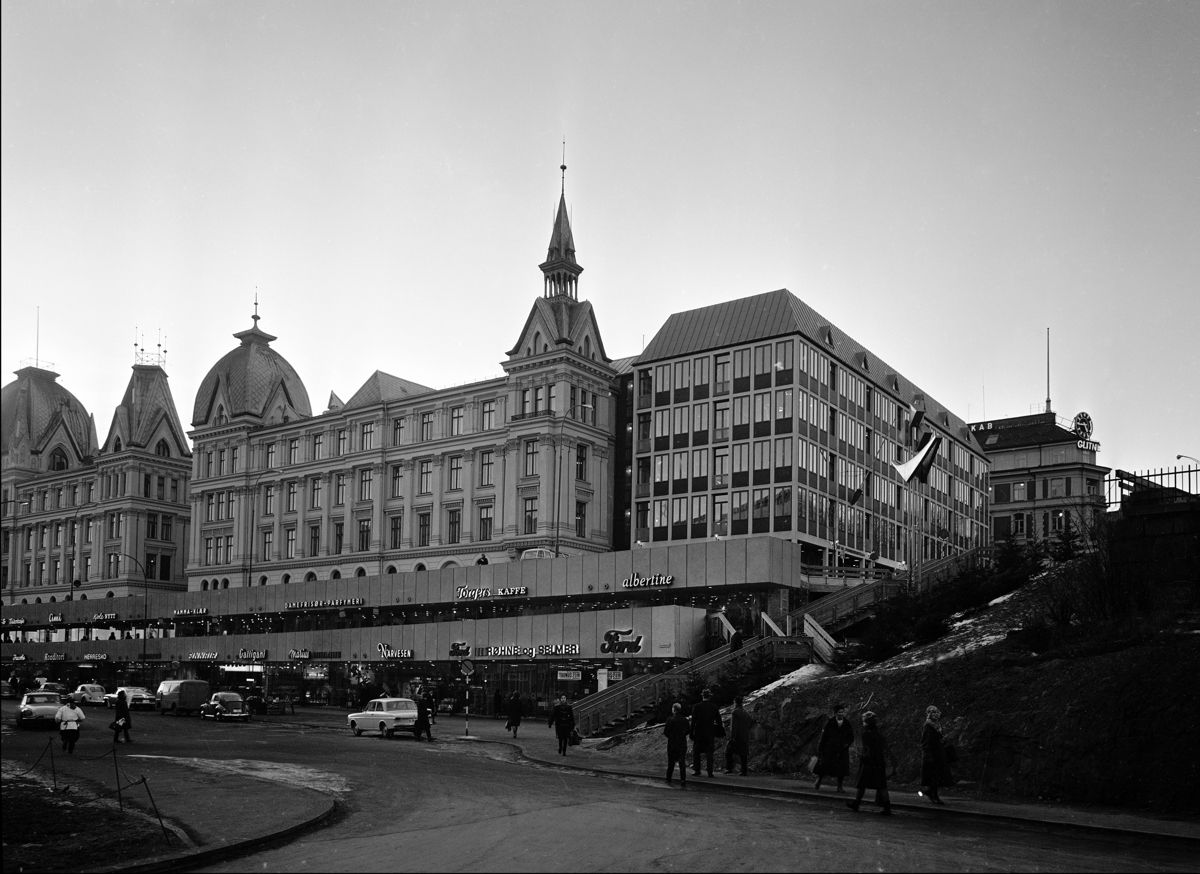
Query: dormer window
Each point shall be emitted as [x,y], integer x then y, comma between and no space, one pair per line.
[58,459]
[162,449]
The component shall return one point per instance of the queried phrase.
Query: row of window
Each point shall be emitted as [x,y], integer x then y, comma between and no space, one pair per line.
[157,566]
[1052,487]
[219,549]
[66,534]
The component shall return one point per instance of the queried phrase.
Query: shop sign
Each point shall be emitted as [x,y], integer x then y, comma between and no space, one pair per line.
[8,621]
[388,652]
[466,593]
[318,605]
[95,656]
[103,617]
[1087,445]
[295,654]
[460,649]
[189,611]
[19,657]
[616,644]
[613,676]
[54,657]
[515,650]
[570,675]
[253,655]
[201,656]
[54,617]
[654,580]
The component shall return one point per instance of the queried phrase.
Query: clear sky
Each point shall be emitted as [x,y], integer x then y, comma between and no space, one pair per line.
[944,181]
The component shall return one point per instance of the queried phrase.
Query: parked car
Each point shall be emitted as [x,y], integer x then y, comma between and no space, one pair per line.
[89,695]
[57,688]
[225,705]
[135,696]
[38,708]
[182,696]
[385,715]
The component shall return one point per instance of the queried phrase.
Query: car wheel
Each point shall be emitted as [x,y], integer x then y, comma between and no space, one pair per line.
[383,730]
[354,728]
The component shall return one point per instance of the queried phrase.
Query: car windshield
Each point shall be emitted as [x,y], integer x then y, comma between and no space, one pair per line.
[41,699]
[136,690]
[229,698]
[398,705]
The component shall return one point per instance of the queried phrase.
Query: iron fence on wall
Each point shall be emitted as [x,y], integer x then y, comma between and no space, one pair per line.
[1164,483]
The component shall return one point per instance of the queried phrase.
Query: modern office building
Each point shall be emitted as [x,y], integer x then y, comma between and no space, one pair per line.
[88,520]
[1045,479]
[759,416]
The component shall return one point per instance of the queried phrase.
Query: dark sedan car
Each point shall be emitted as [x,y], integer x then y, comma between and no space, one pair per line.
[225,705]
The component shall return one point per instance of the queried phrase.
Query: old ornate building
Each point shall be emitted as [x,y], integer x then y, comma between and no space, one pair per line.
[403,477]
[84,519]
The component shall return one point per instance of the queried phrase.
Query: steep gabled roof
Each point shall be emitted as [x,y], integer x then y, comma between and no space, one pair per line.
[145,409]
[382,387]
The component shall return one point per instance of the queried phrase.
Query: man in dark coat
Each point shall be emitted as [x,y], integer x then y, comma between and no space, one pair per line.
[935,770]
[706,727]
[872,766]
[677,729]
[833,752]
[514,713]
[562,720]
[424,708]
[739,737]
[121,722]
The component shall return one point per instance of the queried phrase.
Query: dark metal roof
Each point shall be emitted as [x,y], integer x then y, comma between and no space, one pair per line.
[1037,430]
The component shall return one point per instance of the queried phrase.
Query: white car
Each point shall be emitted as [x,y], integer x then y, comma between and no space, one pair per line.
[89,694]
[135,696]
[385,715]
[38,708]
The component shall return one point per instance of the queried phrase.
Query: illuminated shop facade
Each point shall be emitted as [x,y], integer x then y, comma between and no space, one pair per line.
[540,627]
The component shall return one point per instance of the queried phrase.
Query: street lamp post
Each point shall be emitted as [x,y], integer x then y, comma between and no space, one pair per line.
[253,527]
[145,605]
[562,426]
[1188,457]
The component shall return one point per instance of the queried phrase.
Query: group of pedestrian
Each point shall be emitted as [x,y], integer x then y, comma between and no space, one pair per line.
[703,728]
[876,761]
[70,717]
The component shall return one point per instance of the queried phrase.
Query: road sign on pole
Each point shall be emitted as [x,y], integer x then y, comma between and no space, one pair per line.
[467,667]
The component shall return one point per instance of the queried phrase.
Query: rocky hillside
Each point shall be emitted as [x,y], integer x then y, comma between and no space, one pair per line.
[1110,718]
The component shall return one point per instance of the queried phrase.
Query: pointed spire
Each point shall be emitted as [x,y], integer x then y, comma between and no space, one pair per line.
[560,268]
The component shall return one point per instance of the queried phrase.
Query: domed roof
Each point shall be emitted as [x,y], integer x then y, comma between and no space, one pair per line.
[33,408]
[252,380]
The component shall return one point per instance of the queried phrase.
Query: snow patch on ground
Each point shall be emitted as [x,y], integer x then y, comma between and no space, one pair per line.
[1000,600]
[276,772]
[805,674]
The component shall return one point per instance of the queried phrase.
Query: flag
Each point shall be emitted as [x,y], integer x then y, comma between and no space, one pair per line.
[921,461]
[858,492]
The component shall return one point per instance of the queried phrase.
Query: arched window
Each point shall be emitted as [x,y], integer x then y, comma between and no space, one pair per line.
[225,583]
[450,563]
[309,577]
[83,597]
[391,569]
[53,599]
[204,585]
[162,449]
[420,566]
[117,445]
[287,578]
[361,572]
[109,594]
[336,575]
[262,581]
[58,459]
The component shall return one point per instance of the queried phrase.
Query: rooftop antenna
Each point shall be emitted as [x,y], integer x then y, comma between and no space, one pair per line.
[255,316]
[1048,370]
[563,167]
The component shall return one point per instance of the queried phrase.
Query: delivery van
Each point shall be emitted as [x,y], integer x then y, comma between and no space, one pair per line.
[182,696]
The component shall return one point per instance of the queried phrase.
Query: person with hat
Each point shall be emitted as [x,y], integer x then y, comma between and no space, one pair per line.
[706,728]
[833,750]
[872,766]
[677,729]
[935,769]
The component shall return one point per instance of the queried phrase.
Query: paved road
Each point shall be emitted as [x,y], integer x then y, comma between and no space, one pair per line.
[459,805]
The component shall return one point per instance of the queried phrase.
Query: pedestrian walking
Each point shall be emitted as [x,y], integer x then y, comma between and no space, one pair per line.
[706,728]
[424,707]
[121,722]
[872,766]
[562,720]
[677,729]
[739,737]
[833,750]
[70,719]
[514,713]
[935,769]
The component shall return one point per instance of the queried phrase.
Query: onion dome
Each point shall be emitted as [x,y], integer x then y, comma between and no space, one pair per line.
[252,382]
[43,426]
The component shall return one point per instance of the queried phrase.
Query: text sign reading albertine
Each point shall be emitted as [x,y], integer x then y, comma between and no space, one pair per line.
[636,582]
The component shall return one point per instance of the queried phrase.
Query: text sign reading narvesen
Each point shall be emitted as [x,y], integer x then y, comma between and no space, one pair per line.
[388,652]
